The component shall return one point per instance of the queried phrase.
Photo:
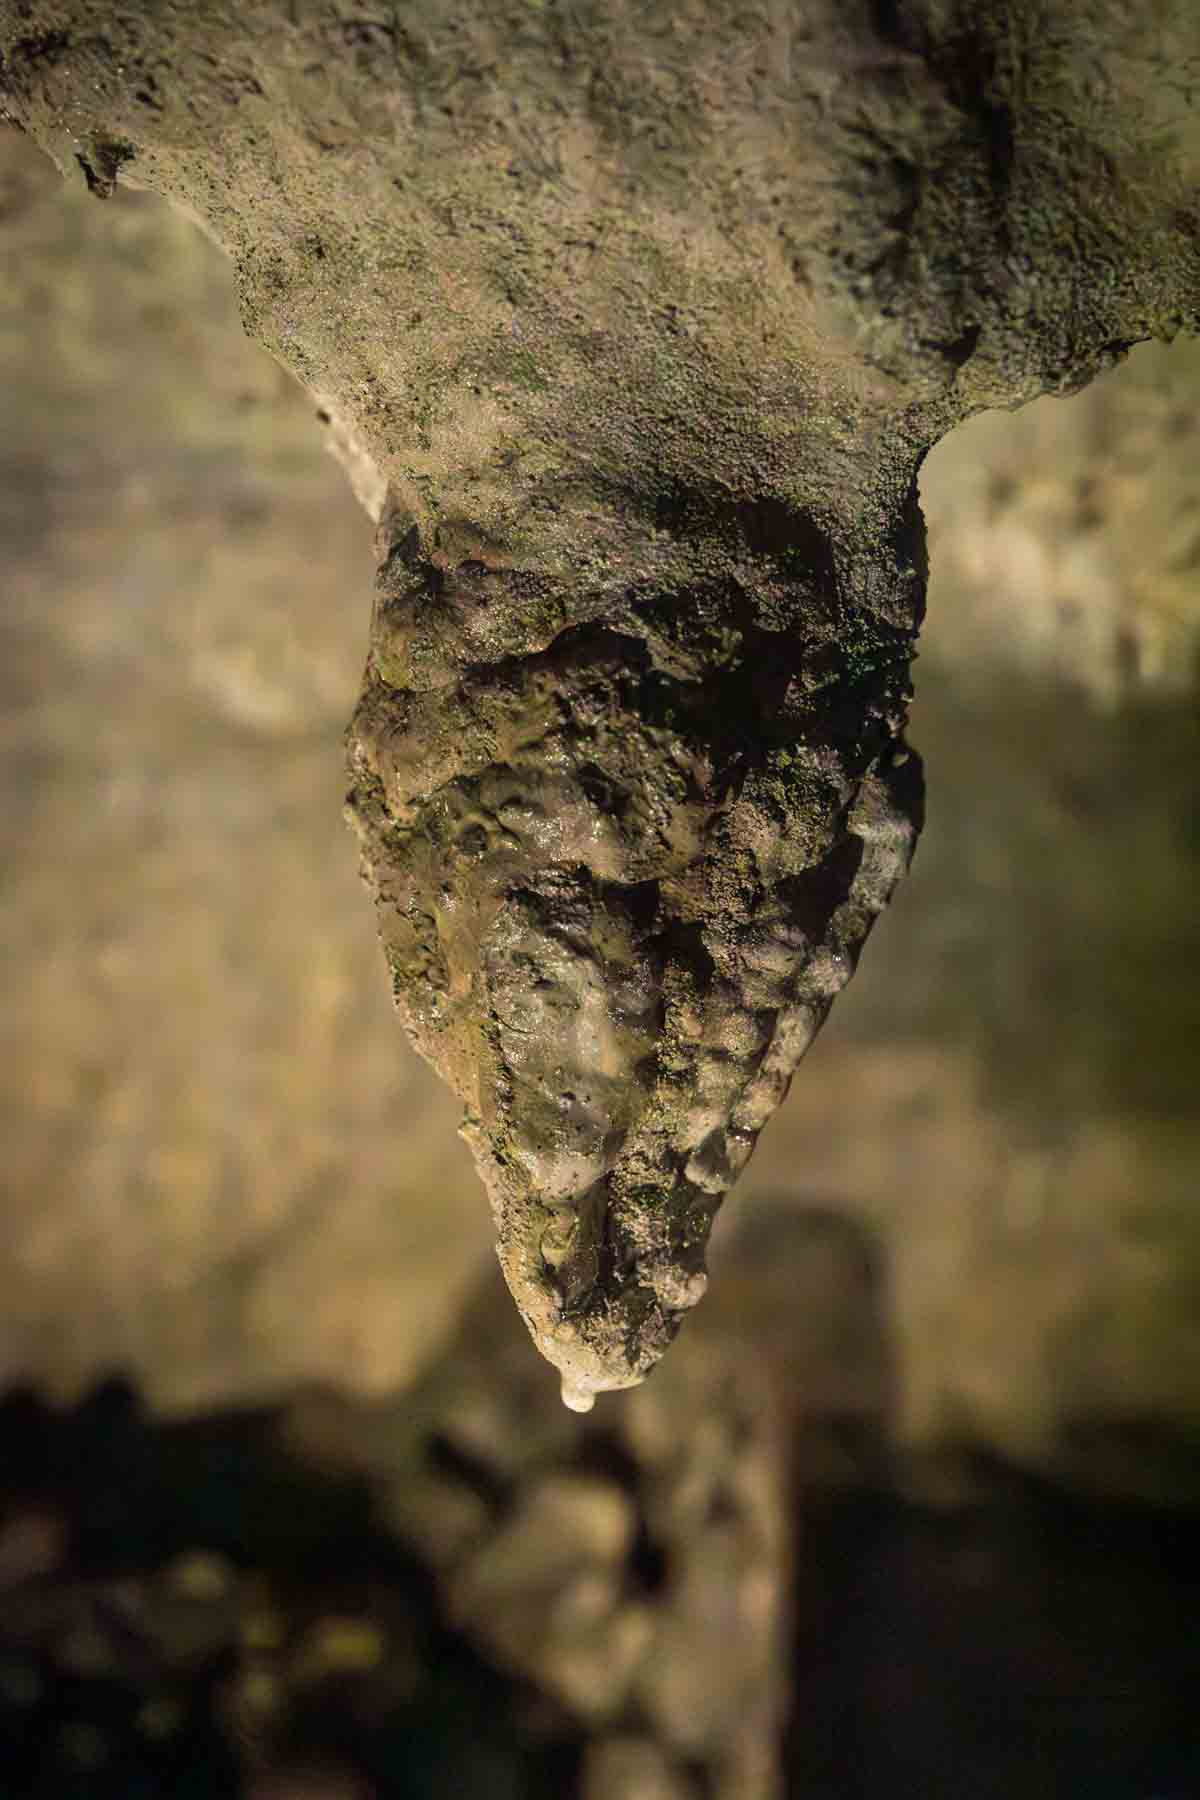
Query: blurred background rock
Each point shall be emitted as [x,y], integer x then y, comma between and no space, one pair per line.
[966,1258]
[214,1133]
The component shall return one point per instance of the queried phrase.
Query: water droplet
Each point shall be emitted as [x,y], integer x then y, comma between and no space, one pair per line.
[578,1398]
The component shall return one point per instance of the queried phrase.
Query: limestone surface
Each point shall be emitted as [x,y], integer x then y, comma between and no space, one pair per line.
[634,325]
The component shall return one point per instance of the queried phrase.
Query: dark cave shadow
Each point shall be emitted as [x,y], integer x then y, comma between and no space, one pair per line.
[1023,1638]
[1026,1636]
[1030,1642]
[131,1495]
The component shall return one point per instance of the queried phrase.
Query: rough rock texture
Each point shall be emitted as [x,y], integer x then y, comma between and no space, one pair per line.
[621,878]
[636,328]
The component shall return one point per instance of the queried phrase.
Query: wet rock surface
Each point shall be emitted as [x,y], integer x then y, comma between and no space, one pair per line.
[629,375]
[620,881]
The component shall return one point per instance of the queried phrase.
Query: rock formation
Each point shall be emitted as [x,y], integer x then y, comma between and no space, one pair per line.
[634,326]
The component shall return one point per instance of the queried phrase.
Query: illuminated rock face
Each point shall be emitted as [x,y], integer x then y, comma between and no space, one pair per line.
[621,878]
[634,330]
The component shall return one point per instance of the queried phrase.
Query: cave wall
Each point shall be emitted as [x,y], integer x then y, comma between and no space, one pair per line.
[638,328]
